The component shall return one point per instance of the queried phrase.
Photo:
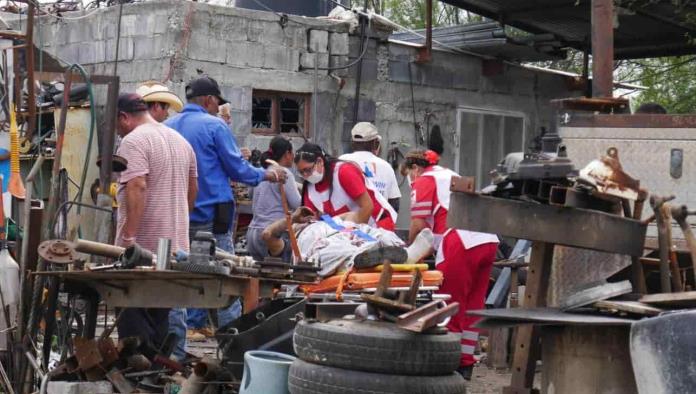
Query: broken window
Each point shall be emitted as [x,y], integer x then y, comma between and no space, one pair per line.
[280,113]
[485,138]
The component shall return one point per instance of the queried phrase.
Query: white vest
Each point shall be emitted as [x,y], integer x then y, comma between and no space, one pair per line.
[443,179]
[339,199]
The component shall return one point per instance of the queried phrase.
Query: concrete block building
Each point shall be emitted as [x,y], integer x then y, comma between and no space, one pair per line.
[265,64]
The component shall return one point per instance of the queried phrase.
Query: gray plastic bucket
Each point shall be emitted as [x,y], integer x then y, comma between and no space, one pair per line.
[265,372]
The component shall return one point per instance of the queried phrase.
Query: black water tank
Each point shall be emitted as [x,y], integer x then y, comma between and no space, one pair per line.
[294,7]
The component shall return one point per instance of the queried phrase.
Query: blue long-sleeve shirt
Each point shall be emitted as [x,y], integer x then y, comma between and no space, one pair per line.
[218,159]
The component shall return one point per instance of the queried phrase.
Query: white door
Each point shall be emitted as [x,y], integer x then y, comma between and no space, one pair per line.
[484,137]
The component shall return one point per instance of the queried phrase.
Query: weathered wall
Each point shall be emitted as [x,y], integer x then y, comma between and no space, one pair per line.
[244,50]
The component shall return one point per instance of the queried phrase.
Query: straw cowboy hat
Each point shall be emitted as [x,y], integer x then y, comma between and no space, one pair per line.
[157,92]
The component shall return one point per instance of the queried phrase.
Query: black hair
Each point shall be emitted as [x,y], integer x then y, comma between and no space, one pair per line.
[651,108]
[310,153]
[278,147]
[368,146]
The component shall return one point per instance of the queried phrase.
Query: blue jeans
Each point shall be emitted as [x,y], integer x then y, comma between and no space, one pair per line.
[198,318]
[177,326]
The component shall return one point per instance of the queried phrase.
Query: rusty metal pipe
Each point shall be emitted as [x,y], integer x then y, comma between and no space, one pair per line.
[31,82]
[679,214]
[98,249]
[637,274]
[656,203]
[602,48]
[673,265]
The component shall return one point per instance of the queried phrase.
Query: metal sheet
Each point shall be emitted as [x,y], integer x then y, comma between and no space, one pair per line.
[642,29]
[558,225]
[596,293]
[645,154]
[575,268]
[548,316]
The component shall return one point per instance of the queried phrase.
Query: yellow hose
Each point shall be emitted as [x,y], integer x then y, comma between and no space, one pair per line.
[16,186]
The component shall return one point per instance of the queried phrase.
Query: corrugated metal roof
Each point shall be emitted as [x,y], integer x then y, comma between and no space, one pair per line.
[490,39]
[645,28]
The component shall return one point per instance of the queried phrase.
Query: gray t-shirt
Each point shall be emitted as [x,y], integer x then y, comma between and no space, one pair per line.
[266,204]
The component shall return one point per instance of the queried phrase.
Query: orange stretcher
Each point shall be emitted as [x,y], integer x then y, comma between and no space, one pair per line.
[365,280]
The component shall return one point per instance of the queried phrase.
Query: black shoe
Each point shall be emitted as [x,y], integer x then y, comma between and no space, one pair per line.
[466,372]
[374,257]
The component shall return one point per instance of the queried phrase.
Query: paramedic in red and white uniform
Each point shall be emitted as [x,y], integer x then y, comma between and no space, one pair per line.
[339,188]
[465,258]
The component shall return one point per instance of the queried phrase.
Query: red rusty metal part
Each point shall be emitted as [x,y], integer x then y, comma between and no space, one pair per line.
[57,252]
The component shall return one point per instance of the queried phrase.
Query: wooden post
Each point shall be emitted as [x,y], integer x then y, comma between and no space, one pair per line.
[527,350]
[251,295]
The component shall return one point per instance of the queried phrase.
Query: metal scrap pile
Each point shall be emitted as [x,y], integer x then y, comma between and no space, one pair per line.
[132,366]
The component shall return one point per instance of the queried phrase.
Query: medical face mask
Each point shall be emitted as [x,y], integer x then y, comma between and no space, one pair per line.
[315,177]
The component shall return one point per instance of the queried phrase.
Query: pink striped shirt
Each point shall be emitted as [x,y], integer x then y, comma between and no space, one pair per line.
[167,161]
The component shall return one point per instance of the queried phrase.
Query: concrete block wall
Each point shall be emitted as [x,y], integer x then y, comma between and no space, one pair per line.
[176,40]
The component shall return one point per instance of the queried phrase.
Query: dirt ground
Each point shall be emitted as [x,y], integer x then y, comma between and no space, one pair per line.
[487,380]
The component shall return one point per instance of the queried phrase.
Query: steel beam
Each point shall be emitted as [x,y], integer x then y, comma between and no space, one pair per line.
[602,48]
[579,228]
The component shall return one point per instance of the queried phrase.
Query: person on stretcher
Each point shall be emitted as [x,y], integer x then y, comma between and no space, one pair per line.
[336,245]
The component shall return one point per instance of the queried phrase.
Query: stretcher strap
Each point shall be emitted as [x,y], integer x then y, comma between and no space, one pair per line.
[342,283]
[329,220]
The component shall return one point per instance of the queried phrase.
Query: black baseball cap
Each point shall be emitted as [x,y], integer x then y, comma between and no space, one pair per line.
[131,102]
[204,86]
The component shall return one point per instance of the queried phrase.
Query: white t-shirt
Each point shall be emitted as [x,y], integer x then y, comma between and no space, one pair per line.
[377,170]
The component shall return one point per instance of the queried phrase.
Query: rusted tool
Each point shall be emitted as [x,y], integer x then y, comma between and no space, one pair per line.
[656,203]
[679,214]
[288,219]
[427,316]
[666,213]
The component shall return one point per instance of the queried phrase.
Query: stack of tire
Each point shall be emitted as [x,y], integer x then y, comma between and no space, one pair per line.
[351,356]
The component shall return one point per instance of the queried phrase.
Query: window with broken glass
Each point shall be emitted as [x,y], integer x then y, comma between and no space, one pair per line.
[275,113]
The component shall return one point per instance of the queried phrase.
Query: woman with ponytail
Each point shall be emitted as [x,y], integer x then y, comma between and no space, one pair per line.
[465,258]
[267,206]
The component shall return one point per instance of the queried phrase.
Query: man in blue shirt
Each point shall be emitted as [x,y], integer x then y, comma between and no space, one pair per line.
[219,160]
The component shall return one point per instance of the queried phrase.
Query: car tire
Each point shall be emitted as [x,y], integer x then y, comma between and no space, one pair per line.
[307,378]
[374,346]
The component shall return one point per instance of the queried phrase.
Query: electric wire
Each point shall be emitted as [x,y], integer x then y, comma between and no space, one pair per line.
[74,18]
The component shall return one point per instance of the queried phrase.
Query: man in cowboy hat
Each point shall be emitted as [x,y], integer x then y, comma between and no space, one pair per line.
[159,100]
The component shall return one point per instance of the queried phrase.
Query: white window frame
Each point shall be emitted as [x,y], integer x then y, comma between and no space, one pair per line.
[480,131]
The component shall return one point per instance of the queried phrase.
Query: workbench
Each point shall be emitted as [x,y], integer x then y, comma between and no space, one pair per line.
[549,227]
[138,288]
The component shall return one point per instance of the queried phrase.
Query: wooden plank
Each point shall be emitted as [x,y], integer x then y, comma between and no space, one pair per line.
[498,348]
[527,350]
[634,307]
[251,295]
[685,299]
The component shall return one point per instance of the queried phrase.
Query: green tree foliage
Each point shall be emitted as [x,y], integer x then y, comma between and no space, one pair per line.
[411,13]
[669,82]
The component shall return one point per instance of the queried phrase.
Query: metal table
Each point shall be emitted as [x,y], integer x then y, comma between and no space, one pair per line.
[169,289]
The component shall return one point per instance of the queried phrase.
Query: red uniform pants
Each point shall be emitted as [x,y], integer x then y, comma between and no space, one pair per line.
[466,274]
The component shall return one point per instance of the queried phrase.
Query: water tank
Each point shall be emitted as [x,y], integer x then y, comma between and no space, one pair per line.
[293,7]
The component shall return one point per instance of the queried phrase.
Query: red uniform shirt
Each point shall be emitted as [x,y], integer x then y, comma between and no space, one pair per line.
[353,182]
[424,202]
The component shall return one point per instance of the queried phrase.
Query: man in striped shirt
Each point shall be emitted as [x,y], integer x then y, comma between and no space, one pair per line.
[155,194]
